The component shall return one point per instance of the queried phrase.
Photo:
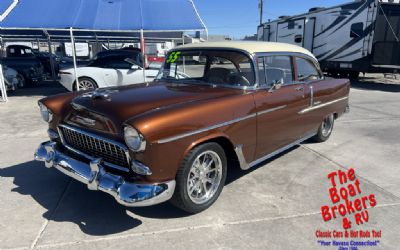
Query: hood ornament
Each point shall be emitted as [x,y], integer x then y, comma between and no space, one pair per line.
[104,94]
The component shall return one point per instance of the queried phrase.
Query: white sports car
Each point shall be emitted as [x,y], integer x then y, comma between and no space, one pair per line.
[113,70]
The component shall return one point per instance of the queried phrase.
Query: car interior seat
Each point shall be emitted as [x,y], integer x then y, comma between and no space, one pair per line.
[218,75]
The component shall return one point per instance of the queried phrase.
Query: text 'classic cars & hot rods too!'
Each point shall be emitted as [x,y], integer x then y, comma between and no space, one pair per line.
[213,106]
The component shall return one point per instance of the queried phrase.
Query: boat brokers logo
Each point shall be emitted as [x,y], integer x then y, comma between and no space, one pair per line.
[7,11]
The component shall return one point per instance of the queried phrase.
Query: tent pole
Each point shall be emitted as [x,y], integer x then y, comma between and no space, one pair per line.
[183,43]
[74,57]
[53,69]
[142,47]
[3,88]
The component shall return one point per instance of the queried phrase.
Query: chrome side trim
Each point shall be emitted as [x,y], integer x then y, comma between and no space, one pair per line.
[98,137]
[96,178]
[311,96]
[312,108]
[174,138]
[245,166]
[271,110]
[177,137]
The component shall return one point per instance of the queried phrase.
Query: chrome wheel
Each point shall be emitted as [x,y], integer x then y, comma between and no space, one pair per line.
[327,125]
[86,84]
[204,177]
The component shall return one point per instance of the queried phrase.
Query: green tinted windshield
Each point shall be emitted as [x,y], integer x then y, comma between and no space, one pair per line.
[218,67]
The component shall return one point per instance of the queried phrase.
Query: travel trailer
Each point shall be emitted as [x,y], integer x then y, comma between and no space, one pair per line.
[360,36]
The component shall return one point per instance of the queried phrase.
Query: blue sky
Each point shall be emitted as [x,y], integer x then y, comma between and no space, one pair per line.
[238,18]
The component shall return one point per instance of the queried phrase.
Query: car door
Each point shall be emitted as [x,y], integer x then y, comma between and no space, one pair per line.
[278,119]
[121,72]
[309,74]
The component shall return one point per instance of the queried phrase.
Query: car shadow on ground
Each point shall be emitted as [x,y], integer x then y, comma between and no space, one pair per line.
[66,200]
[46,88]
[369,84]
[96,213]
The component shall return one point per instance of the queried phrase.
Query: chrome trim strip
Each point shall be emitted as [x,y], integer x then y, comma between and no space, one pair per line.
[311,96]
[245,166]
[312,108]
[271,110]
[177,137]
[97,178]
[123,147]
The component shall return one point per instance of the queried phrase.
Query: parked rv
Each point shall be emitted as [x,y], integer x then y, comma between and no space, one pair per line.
[360,36]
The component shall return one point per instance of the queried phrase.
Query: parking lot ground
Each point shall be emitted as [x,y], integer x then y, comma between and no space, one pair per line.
[273,206]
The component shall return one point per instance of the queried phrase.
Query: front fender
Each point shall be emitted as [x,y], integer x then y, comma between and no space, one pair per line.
[172,133]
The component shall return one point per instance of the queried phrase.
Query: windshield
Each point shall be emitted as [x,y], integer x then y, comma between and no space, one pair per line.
[217,67]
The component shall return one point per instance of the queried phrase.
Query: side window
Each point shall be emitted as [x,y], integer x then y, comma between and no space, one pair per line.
[275,69]
[189,67]
[291,25]
[117,63]
[357,30]
[220,70]
[306,70]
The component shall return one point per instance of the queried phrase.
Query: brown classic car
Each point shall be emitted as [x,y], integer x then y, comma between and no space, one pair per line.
[171,139]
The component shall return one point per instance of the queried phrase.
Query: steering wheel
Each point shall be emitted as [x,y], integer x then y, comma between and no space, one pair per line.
[236,78]
[181,75]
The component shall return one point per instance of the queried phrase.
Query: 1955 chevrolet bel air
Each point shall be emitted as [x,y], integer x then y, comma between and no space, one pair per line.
[171,139]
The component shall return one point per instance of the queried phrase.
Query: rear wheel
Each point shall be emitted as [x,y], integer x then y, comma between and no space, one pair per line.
[325,129]
[201,178]
[86,83]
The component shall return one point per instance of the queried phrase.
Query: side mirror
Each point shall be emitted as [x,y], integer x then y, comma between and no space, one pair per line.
[134,65]
[276,85]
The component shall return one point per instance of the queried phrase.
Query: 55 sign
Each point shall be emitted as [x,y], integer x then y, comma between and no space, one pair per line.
[173,57]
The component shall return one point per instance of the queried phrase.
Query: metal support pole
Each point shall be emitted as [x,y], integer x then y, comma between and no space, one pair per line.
[143,49]
[3,88]
[74,57]
[53,69]
[261,8]
[183,58]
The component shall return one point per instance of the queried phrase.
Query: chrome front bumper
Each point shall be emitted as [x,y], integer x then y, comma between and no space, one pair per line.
[96,178]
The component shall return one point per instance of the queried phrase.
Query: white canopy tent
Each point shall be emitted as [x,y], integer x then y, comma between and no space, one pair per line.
[99,16]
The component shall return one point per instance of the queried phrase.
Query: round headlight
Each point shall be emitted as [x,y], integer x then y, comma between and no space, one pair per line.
[134,140]
[46,113]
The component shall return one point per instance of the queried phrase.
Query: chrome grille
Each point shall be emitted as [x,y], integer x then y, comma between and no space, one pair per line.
[96,147]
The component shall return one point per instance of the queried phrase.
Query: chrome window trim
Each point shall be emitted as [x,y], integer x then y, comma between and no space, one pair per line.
[267,111]
[122,146]
[322,105]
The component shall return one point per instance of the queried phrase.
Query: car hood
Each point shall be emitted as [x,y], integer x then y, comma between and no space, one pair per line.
[119,104]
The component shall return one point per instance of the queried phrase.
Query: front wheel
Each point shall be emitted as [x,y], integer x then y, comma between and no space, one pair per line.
[201,178]
[86,83]
[21,81]
[325,129]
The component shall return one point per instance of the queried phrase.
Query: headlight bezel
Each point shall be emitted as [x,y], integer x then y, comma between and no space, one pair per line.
[46,113]
[134,139]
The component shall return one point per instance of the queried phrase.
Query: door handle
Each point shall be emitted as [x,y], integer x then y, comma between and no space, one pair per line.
[299,88]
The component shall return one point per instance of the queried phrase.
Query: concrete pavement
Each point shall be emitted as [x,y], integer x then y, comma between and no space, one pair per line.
[274,206]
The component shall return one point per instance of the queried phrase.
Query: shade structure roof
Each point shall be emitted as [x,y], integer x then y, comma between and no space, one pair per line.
[101,15]
[87,36]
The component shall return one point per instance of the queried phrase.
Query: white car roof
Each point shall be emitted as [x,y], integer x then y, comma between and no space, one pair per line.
[249,46]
